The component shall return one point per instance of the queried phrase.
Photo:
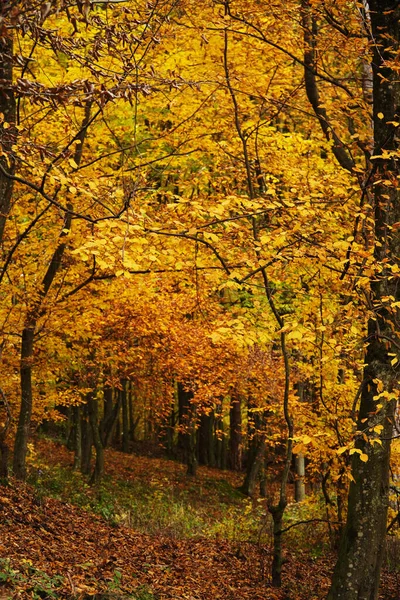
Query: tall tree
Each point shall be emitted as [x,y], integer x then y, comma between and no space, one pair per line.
[357,571]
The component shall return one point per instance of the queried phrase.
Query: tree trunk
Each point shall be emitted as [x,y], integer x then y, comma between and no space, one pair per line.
[277,513]
[77,410]
[235,440]
[188,428]
[25,413]
[220,443]
[125,417]
[4,449]
[87,441]
[357,572]
[4,460]
[132,421]
[107,410]
[254,465]
[206,440]
[8,136]
[299,487]
[93,410]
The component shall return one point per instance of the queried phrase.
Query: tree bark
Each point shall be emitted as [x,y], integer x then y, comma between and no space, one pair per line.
[86,440]
[125,417]
[77,438]
[235,439]
[22,435]
[255,464]
[188,426]
[4,449]
[299,487]
[93,410]
[357,572]
[8,135]
[206,454]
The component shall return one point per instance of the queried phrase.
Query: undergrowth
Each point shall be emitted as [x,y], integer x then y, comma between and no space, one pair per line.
[39,585]
[183,508]
[34,582]
[152,508]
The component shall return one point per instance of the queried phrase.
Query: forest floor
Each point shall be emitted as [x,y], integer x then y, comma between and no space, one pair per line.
[151,533]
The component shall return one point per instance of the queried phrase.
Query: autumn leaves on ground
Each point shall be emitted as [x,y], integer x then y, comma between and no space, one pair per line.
[151,532]
[199,547]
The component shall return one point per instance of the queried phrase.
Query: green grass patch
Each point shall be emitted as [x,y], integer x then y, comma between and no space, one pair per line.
[37,584]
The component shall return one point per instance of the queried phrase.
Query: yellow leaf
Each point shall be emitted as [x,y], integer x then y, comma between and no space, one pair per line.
[364,457]
[380,115]
[295,335]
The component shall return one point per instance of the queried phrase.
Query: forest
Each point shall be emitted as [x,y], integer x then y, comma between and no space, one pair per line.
[199,299]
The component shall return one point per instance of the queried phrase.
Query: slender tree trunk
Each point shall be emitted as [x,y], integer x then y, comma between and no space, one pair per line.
[188,426]
[77,438]
[125,417]
[235,439]
[206,440]
[93,410]
[107,410]
[220,443]
[87,441]
[277,511]
[357,572]
[255,464]
[170,437]
[4,460]
[299,486]
[132,422]
[8,136]
[4,450]
[22,434]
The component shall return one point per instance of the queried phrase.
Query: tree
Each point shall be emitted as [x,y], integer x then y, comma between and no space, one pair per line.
[41,188]
[357,571]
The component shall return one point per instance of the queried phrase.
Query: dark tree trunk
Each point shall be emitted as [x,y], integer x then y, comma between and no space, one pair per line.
[357,572]
[205,442]
[256,452]
[8,136]
[133,423]
[87,441]
[125,417]
[25,413]
[107,411]
[111,416]
[4,449]
[220,444]
[4,460]
[187,423]
[254,466]
[77,429]
[235,439]
[170,433]
[117,426]
[93,410]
